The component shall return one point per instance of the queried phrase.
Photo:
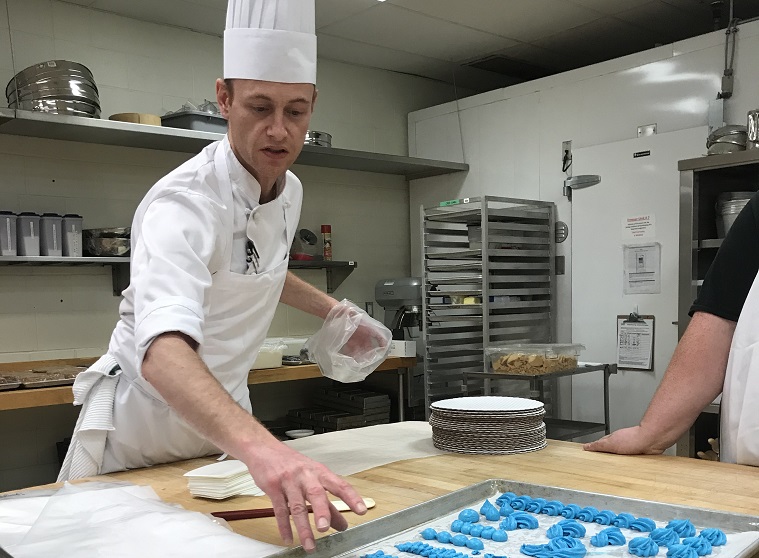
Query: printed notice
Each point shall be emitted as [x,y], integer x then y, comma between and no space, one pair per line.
[639,227]
[642,268]
[635,343]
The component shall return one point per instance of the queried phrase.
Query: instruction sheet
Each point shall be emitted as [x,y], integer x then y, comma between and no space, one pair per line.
[642,268]
[635,343]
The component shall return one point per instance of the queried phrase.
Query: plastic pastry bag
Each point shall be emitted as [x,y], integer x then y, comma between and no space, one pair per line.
[123,522]
[350,345]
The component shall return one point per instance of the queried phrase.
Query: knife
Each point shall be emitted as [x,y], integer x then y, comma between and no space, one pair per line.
[233,515]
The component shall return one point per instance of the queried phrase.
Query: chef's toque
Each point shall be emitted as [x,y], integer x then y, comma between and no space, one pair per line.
[270,40]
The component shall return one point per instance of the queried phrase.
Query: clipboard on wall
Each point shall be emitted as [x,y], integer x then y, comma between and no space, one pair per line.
[635,342]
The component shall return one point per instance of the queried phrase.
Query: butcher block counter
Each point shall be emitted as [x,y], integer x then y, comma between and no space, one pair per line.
[398,485]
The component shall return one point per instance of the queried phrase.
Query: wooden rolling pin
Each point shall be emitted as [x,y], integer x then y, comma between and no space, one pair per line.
[233,515]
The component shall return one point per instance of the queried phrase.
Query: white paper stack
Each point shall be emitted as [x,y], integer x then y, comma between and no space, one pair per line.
[222,480]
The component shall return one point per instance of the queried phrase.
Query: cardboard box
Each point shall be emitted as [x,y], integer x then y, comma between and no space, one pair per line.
[402,348]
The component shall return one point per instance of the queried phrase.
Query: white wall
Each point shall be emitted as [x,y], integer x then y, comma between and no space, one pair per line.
[143,67]
[512,137]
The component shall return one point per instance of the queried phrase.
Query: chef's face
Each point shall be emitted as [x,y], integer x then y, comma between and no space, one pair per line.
[267,123]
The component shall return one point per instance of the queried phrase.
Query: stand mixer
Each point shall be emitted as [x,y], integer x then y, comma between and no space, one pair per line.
[402,300]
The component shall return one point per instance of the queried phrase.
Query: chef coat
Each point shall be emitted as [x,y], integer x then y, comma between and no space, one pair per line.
[739,415]
[189,274]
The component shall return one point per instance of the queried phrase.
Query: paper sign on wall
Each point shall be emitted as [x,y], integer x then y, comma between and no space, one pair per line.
[642,268]
[639,226]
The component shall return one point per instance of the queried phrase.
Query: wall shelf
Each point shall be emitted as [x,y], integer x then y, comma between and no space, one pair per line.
[119,266]
[126,134]
[337,271]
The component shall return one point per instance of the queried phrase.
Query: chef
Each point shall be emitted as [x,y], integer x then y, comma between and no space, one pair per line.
[717,353]
[210,245]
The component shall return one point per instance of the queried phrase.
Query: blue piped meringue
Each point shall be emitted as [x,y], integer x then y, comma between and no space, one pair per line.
[476,530]
[665,536]
[570,511]
[456,525]
[487,532]
[605,517]
[553,507]
[490,512]
[444,537]
[499,535]
[643,524]
[505,498]
[683,527]
[566,528]
[536,505]
[506,509]
[524,520]
[716,537]
[609,536]
[429,534]
[699,544]
[469,515]
[508,523]
[623,520]
[643,546]
[587,514]
[521,502]
[681,551]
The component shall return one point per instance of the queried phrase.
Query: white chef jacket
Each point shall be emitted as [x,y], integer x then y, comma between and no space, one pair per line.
[188,244]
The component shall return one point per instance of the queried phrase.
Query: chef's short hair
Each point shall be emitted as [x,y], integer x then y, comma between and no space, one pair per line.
[228,82]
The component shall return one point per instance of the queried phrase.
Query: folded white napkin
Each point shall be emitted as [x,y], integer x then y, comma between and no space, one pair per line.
[222,480]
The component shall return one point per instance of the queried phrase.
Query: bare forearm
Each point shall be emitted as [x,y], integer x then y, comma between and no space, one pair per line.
[299,294]
[693,378]
[173,367]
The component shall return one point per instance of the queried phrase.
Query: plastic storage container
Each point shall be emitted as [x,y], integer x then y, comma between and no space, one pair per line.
[51,237]
[72,235]
[533,359]
[7,233]
[270,355]
[28,234]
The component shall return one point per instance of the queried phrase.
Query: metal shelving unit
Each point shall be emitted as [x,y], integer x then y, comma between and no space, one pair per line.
[702,180]
[126,134]
[337,272]
[488,272]
[559,429]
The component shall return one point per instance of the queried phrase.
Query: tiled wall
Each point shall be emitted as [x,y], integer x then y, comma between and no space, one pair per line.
[69,312]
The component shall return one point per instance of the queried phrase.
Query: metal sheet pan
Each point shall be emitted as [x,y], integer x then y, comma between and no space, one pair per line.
[406,524]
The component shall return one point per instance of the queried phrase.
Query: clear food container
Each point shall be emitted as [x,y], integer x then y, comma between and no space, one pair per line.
[533,359]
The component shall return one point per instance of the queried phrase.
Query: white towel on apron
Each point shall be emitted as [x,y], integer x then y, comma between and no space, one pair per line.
[95,389]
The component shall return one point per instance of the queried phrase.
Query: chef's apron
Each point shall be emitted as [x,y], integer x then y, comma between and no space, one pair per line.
[739,428]
[144,430]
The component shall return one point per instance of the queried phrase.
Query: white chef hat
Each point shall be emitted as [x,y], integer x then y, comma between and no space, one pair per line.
[270,40]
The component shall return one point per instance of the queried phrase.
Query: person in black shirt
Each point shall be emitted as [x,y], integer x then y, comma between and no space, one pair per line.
[696,373]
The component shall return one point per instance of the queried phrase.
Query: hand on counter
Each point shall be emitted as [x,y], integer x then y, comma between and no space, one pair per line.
[627,441]
[292,480]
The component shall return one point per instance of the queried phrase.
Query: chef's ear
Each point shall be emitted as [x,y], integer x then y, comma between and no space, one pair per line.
[224,95]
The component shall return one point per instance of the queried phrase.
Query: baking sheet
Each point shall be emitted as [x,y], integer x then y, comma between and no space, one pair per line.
[404,526]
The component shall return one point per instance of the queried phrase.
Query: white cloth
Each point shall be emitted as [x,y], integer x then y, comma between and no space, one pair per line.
[739,432]
[94,389]
[183,251]
[271,40]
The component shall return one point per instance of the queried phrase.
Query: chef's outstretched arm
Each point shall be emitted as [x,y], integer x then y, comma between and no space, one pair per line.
[693,379]
[289,478]
[304,296]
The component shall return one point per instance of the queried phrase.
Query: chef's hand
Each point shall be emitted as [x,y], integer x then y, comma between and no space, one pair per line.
[292,481]
[627,441]
[363,340]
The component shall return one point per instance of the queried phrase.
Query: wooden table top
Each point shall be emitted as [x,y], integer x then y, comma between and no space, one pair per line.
[396,486]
